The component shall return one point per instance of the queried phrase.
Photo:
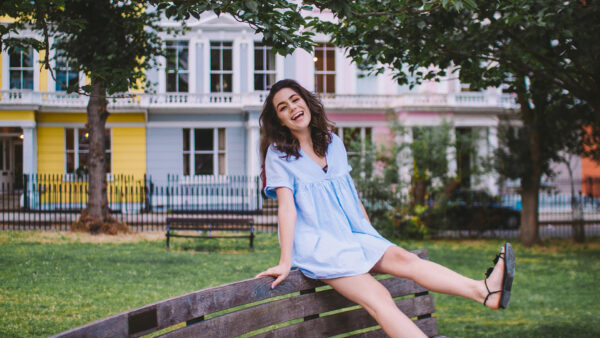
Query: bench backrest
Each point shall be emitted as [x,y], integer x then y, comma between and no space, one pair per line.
[214,223]
[299,307]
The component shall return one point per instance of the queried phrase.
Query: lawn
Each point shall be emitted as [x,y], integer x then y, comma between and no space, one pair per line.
[54,281]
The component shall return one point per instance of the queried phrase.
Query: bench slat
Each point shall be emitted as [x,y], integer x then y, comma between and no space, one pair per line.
[250,319]
[348,321]
[199,303]
[427,325]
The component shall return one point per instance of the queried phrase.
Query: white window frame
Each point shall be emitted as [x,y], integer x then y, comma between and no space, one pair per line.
[217,170]
[76,150]
[22,69]
[325,47]
[177,45]
[219,45]
[57,68]
[264,73]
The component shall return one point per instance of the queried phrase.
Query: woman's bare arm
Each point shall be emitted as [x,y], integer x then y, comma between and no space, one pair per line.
[287,224]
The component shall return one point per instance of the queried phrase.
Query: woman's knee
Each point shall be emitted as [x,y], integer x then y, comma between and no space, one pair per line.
[397,254]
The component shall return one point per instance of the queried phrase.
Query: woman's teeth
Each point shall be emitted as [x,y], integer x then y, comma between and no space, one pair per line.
[297,116]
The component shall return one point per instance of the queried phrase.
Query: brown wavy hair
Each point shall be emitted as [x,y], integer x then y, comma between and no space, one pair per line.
[272,132]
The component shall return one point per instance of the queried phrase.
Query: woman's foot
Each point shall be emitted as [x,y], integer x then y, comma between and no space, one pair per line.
[493,292]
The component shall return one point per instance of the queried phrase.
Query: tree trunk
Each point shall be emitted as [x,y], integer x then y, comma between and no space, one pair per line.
[96,217]
[529,215]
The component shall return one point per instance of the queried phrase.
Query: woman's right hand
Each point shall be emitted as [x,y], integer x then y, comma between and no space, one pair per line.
[280,272]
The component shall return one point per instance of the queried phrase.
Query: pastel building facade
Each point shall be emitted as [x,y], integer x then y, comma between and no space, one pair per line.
[202,120]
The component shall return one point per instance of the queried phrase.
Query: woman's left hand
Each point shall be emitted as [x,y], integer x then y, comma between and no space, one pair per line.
[280,272]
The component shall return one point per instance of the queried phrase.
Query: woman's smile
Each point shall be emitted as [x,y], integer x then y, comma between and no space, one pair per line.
[291,109]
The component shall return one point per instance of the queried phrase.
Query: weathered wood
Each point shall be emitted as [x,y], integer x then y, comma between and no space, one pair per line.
[176,224]
[427,325]
[204,302]
[348,321]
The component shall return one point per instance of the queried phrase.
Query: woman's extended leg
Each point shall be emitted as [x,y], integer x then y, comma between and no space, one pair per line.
[376,299]
[402,263]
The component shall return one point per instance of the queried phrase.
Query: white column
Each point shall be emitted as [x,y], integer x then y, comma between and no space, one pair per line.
[253,156]
[29,150]
[451,153]
[406,160]
[492,179]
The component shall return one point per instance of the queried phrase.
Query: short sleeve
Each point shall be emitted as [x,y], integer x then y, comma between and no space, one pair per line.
[276,173]
[342,147]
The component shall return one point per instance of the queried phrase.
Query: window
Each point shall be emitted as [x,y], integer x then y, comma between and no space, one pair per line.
[204,151]
[324,68]
[221,67]
[66,76]
[20,68]
[177,66]
[355,139]
[264,67]
[77,149]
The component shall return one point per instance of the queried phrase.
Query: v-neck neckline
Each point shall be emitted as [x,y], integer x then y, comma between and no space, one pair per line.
[317,164]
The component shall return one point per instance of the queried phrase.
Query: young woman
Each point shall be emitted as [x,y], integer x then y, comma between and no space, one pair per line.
[323,228]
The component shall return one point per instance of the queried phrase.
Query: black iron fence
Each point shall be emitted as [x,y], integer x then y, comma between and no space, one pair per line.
[56,201]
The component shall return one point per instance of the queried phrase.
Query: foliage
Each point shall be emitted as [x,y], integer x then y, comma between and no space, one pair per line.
[543,51]
[55,281]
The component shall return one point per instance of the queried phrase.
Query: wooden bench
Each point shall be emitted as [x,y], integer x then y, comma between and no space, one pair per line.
[298,307]
[175,225]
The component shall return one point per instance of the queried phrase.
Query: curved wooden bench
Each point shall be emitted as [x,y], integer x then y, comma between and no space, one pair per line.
[298,307]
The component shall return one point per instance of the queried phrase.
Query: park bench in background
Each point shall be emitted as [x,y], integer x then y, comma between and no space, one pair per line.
[303,301]
[183,227]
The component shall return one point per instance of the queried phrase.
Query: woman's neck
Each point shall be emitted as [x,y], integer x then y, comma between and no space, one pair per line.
[304,138]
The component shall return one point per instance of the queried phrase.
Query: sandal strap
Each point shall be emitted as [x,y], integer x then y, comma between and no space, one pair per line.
[489,292]
[498,256]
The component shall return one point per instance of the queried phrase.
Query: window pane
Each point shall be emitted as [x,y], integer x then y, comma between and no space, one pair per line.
[319,85]
[171,82]
[330,59]
[70,163]
[259,82]
[72,79]
[203,139]
[183,83]
[186,164]
[215,59]
[183,59]
[221,138]
[28,79]
[203,164]
[15,80]
[227,44]
[221,164]
[171,59]
[330,85]
[14,57]
[270,60]
[227,59]
[270,80]
[83,157]
[227,84]
[27,59]
[186,139]
[69,139]
[319,62]
[61,78]
[258,59]
[215,84]
[84,144]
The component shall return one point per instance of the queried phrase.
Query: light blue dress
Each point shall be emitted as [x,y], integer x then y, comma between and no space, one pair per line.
[332,237]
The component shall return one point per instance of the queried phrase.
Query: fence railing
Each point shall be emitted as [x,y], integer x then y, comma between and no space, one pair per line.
[56,201]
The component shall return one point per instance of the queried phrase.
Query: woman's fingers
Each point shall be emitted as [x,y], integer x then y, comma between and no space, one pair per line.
[279,279]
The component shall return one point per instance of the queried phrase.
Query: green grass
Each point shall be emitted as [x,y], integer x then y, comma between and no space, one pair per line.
[51,282]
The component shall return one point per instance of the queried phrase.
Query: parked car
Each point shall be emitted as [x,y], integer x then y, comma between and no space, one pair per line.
[473,210]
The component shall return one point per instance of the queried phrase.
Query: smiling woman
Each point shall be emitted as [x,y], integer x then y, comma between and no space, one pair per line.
[324,230]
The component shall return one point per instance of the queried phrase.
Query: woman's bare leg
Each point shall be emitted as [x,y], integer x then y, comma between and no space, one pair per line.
[376,299]
[402,263]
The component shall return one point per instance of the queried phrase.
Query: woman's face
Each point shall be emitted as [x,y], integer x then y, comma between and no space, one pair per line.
[291,109]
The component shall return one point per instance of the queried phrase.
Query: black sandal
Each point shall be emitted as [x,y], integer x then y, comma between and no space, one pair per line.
[509,273]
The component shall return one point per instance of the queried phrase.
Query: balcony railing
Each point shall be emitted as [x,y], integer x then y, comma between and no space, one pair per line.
[237,100]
